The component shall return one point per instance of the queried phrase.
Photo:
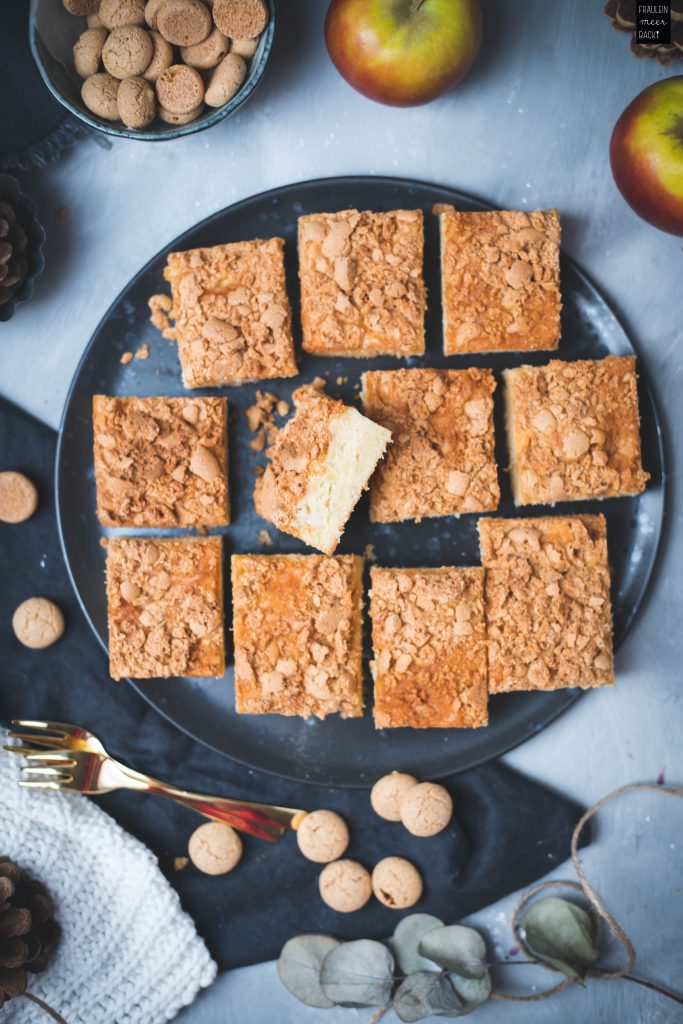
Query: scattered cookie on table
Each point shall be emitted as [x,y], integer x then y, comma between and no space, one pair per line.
[345,885]
[397,883]
[426,809]
[38,623]
[215,848]
[323,836]
[18,497]
[387,793]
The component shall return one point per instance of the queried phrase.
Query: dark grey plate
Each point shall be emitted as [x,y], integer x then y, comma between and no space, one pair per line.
[337,752]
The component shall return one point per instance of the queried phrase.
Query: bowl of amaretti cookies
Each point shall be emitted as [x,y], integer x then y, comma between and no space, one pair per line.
[151,69]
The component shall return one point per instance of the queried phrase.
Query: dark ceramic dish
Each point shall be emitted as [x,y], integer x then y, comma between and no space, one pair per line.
[333,751]
[53,33]
[25,210]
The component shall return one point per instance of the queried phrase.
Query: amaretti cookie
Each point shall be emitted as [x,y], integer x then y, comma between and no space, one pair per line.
[161,461]
[362,289]
[429,645]
[165,607]
[574,430]
[232,314]
[320,464]
[441,460]
[297,634]
[500,280]
[548,610]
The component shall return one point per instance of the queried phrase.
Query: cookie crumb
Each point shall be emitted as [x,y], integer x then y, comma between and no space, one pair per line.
[160,314]
[126,358]
[180,863]
[265,538]
[142,352]
[282,408]
[369,553]
[63,212]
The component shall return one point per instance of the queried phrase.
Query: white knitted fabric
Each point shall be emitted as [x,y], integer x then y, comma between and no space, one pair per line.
[128,954]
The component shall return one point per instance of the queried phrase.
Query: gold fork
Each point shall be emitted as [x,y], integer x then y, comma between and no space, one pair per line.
[74,759]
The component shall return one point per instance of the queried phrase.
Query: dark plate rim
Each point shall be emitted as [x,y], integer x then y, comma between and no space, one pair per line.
[171,132]
[650,568]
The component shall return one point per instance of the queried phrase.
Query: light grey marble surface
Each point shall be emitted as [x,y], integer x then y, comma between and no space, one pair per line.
[529,128]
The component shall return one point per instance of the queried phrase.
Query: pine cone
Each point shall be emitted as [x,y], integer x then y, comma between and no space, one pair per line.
[13,262]
[622,14]
[28,932]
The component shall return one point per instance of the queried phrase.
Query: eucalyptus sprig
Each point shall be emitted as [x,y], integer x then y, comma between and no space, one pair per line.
[429,969]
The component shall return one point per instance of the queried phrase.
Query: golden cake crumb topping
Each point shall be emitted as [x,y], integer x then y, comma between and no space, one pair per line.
[297,634]
[500,274]
[161,461]
[231,311]
[362,289]
[165,607]
[548,605]
[441,459]
[574,430]
[429,647]
[298,448]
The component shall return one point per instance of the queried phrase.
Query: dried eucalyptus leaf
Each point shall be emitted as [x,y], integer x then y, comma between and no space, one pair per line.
[299,968]
[406,939]
[562,934]
[425,994]
[472,991]
[359,973]
[457,948]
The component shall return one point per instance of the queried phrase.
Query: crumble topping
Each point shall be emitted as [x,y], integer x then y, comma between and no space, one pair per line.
[574,430]
[429,646]
[441,460]
[548,605]
[362,290]
[161,461]
[500,280]
[297,630]
[231,311]
[298,447]
[165,607]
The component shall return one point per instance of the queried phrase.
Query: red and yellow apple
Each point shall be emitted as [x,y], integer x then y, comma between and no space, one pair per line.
[646,153]
[403,52]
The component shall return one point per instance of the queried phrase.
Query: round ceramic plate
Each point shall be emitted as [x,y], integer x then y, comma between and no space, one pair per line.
[334,751]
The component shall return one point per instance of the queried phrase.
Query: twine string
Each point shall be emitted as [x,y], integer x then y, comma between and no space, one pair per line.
[598,910]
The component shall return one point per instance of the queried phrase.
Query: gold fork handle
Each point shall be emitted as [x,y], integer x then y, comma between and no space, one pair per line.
[264,820]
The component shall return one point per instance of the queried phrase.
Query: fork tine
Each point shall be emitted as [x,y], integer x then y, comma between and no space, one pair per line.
[49,757]
[45,739]
[35,784]
[68,728]
[58,774]
[15,748]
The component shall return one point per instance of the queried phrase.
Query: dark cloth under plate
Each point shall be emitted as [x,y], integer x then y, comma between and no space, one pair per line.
[34,127]
[508,829]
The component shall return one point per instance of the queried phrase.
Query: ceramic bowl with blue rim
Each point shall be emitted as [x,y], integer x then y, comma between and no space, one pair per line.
[53,32]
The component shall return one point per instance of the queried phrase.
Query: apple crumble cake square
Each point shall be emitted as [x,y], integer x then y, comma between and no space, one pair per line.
[429,643]
[232,316]
[161,461]
[298,634]
[574,430]
[165,607]
[500,280]
[362,289]
[548,611]
[441,460]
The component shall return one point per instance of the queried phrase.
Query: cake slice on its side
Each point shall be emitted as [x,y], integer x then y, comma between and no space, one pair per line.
[320,464]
